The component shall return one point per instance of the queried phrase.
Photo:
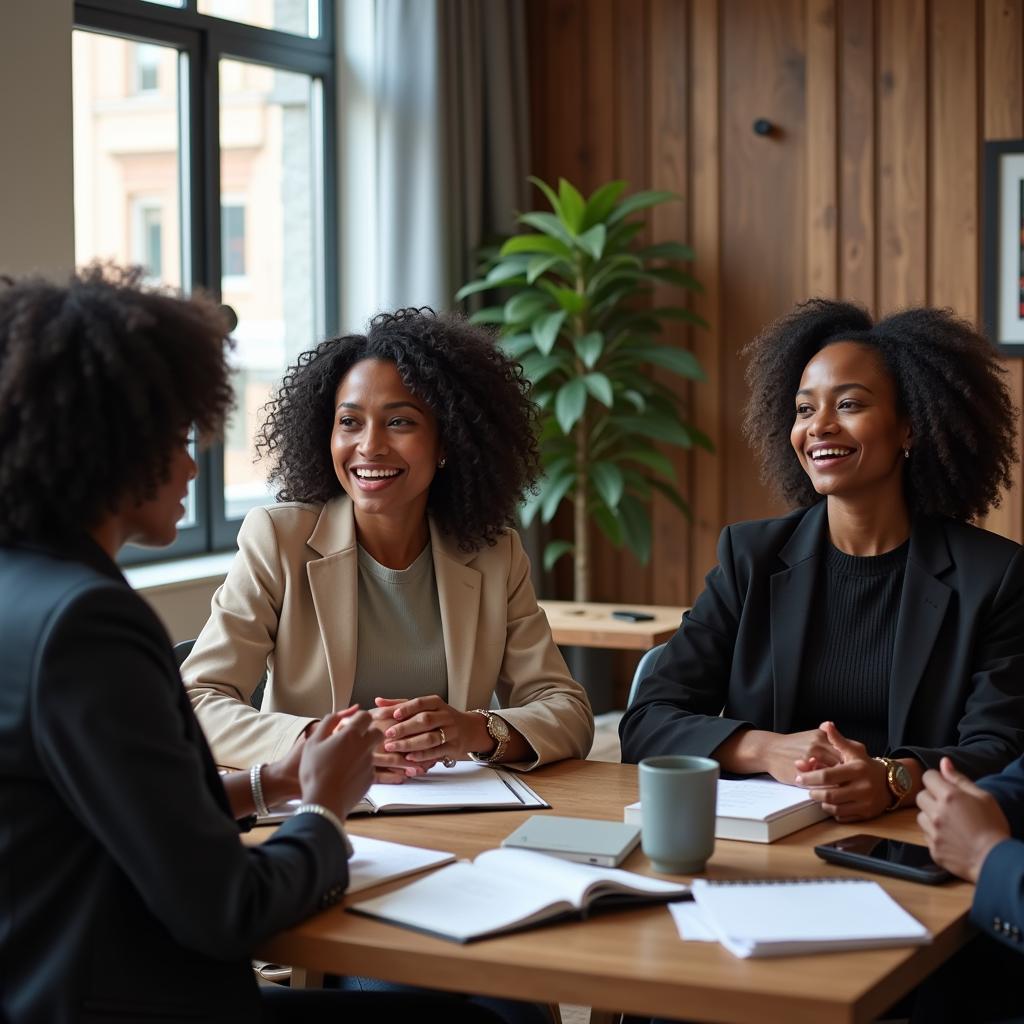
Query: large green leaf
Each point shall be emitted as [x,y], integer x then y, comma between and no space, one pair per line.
[592,241]
[537,367]
[526,307]
[549,224]
[609,523]
[570,402]
[488,315]
[672,276]
[678,360]
[622,234]
[549,193]
[472,288]
[545,330]
[539,264]
[675,313]
[608,482]
[589,348]
[667,251]
[601,202]
[517,345]
[600,387]
[658,427]
[571,301]
[572,205]
[554,550]
[639,201]
[553,496]
[535,243]
[650,458]
[636,527]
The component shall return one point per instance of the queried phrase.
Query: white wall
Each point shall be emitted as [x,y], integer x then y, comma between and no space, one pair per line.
[37,228]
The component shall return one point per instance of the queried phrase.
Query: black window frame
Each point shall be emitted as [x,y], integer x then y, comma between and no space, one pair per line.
[206,39]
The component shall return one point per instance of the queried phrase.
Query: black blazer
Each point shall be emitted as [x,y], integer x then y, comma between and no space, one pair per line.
[998,907]
[125,891]
[957,681]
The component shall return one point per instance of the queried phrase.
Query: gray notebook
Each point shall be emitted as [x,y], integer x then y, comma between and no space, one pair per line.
[581,839]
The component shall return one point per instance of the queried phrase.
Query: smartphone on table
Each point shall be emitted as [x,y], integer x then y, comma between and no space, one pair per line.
[886,856]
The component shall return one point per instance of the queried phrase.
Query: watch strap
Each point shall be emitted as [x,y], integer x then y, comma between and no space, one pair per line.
[500,741]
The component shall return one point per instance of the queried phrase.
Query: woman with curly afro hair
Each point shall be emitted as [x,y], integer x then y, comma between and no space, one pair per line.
[105,776]
[852,644]
[388,575]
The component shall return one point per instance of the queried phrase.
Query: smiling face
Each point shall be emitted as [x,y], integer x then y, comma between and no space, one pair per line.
[848,433]
[385,445]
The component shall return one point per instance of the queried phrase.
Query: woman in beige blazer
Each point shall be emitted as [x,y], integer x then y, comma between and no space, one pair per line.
[389,575]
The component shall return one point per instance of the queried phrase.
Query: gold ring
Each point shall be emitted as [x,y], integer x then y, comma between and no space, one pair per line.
[444,739]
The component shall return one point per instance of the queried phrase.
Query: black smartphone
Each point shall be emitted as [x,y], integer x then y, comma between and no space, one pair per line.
[886,856]
[629,616]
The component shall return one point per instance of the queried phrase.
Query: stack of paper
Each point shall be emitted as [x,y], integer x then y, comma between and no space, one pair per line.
[816,915]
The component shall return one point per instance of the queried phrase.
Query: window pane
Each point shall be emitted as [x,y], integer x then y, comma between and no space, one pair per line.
[297,16]
[271,248]
[127,154]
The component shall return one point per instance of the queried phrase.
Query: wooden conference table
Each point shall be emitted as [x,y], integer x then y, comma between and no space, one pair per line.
[590,624]
[634,960]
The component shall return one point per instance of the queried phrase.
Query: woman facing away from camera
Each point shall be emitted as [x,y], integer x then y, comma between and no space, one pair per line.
[389,576]
[125,890]
[850,645]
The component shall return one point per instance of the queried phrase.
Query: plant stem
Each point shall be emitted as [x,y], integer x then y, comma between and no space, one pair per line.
[581,524]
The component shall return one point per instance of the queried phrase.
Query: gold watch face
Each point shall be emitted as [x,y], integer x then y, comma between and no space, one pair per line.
[497,727]
[899,778]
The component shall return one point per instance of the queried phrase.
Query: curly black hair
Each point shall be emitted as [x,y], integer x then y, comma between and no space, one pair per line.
[949,384]
[486,421]
[98,379]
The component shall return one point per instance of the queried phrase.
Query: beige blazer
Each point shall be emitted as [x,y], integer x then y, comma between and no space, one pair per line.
[288,606]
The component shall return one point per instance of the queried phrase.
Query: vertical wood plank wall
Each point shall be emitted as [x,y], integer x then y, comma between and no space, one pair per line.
[868,188]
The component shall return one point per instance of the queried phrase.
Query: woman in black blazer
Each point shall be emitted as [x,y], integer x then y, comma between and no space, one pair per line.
[125,891]
[851,644]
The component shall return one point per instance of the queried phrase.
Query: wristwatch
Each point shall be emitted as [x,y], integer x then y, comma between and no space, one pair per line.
[497,729]
[898,778]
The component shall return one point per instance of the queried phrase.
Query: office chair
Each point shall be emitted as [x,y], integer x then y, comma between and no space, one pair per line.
[643,670]
[183,649]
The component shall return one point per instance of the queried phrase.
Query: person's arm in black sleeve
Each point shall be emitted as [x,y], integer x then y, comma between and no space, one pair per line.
[677,709]
[991,731]
[112,731]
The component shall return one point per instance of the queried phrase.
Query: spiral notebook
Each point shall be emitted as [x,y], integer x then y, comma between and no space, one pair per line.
[795,916]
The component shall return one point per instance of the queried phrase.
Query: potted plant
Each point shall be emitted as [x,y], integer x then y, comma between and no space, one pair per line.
[578,316]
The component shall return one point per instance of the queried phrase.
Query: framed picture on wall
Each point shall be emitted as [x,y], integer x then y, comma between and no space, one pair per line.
[1003,245]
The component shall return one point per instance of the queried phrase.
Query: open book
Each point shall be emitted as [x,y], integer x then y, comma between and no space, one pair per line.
[375,861]
[813,915]
[758,810]
[466,787]
[507,890]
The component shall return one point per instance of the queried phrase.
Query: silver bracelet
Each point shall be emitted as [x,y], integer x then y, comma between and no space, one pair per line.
[256,785]
[325,812]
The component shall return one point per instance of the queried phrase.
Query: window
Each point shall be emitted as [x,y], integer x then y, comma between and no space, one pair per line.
[204,153]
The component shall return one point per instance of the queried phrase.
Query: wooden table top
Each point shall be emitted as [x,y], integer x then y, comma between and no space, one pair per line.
[590,624]
[634,960]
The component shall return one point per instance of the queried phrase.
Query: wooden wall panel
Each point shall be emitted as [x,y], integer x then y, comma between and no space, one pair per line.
[869,189]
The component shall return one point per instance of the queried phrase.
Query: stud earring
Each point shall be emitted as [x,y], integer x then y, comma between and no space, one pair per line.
[906,452]
[442,463]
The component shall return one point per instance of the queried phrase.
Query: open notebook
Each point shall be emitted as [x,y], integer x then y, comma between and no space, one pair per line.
[785,917]
[466,787]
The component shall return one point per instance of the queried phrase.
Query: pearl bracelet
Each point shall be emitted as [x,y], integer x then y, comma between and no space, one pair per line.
[256,786]
[325,812]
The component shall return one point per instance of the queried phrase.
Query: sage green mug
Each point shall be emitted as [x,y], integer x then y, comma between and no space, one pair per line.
[677,807]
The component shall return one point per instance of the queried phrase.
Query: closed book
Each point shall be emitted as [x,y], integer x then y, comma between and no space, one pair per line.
[755,810]
[507,890]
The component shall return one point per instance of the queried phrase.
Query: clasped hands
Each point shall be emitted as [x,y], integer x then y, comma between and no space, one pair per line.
[837,772]
[422,731]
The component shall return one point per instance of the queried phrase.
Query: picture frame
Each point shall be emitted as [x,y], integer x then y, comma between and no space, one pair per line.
[1003,245]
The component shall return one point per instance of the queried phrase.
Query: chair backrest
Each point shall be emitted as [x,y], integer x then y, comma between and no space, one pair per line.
[184,649]
[643,670]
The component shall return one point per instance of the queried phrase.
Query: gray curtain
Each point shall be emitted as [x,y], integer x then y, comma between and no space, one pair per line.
[433,97]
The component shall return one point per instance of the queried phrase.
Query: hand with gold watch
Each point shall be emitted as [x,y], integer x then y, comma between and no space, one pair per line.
[898,779]
[498,730]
